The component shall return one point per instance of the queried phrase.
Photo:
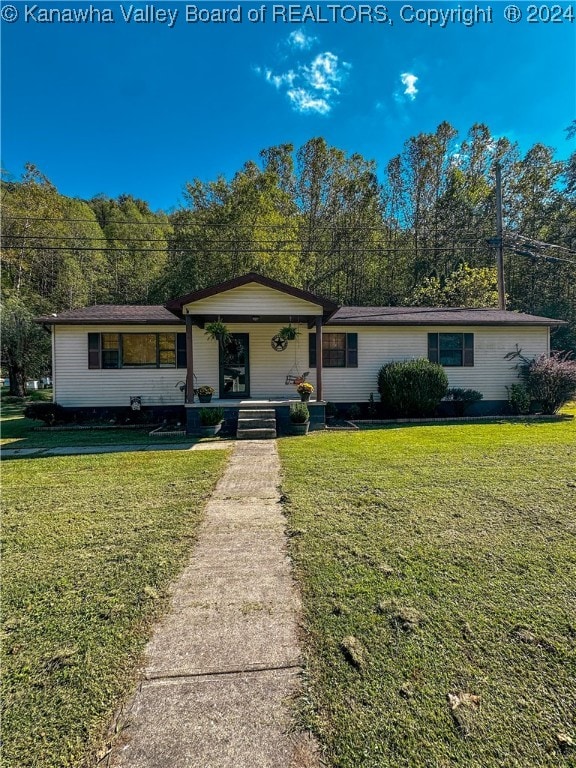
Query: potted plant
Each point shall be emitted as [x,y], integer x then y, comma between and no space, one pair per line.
[288,333]
[305,389]
[211,420]
[218,331]
[299,418]
[204,393]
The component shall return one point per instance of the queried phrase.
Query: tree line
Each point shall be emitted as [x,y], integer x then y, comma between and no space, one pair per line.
[415,232]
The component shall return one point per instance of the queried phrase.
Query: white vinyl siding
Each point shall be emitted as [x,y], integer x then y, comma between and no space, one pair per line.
[78,387]
[383,344]
[268,369]
[253,299]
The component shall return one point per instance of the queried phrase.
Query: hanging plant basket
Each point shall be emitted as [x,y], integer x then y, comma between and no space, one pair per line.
[288,333]
[218,331]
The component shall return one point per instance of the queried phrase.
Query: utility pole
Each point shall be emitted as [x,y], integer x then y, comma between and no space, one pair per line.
[500,240]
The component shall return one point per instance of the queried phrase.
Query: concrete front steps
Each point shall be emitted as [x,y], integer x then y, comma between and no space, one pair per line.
[256,424]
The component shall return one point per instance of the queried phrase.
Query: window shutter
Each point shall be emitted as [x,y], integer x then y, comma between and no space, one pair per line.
[180,350]
[94,357]
[352,350]
[468,356]
[312,350]
[433,347]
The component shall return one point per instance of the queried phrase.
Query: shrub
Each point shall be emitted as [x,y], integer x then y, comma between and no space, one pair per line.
[331,410]
[551,380]
[299,413]
[354,412]
[518,398]
[413,387]
[210,417]
[462,399]
[49,413]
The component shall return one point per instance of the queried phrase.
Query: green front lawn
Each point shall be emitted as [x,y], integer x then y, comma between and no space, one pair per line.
[90,546]
[435,561]
[19,432]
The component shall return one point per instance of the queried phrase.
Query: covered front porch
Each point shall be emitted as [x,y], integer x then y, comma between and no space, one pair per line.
[254,364]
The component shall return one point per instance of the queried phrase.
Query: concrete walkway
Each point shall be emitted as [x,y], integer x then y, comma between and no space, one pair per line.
[223,665]
[71,450]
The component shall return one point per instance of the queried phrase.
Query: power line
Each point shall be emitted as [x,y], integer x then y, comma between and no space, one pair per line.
[537,243]
[301,222]
[477,239]
[295,225]
[540,256]
[232,249]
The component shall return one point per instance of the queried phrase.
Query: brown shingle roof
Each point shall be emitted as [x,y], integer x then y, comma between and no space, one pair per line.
[434,316]
[108,314]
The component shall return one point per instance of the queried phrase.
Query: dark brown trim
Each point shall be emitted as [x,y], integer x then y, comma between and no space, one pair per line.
[175,305]
[189,361]
[318,358]
[201,320]
[545,323]
[95,321]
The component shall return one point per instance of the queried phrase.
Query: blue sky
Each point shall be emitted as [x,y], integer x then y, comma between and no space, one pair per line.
[141,107]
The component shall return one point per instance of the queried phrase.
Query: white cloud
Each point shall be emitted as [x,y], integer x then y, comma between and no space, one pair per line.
[300,40]
[409,81]
[323,73]
[279,80]
[304,101]
[312,87]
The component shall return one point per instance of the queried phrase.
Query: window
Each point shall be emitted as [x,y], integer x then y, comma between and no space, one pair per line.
[136,350]
[110,350]
[339,350]
[139,349]
[451,349]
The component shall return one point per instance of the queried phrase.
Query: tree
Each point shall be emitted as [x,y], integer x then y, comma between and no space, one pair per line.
[465,287]
[51,244]
[25,346]
[136,247]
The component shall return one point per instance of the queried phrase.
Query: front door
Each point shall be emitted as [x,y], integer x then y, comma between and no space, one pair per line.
[234,367]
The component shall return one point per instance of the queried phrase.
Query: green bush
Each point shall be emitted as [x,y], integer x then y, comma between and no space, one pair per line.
[412,387]
[210,417]
[551,380]
[354,412]
[299,413]
[518,398]
[461,399]
[49,413]
[331,410]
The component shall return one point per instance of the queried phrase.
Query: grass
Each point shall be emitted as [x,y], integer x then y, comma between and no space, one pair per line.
[437,561]
[90,546]
[19,432]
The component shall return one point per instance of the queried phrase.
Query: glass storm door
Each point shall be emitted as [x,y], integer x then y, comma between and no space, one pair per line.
[234,367]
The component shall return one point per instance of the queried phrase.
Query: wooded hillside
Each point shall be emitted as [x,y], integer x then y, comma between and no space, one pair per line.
[319,219]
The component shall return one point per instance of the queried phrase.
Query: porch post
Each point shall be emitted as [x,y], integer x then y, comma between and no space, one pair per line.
[189,361]
[319,357]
